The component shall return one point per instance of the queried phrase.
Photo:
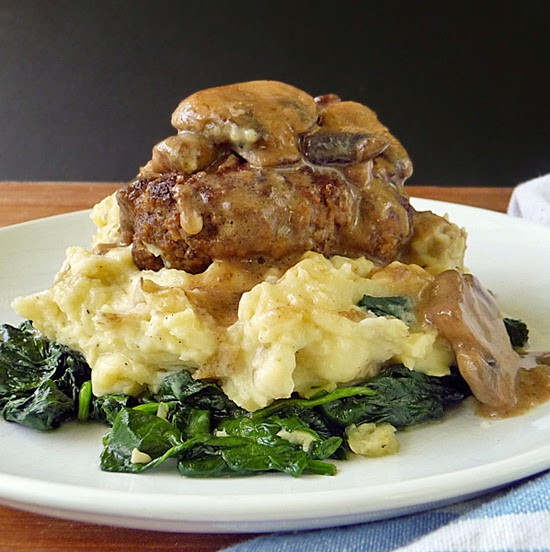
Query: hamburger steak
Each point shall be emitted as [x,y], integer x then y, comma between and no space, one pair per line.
[262,171]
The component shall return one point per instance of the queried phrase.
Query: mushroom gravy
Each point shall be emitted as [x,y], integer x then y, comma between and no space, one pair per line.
[504,382]
[532,389]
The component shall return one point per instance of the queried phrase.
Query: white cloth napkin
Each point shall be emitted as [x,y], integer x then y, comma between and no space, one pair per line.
[531,200]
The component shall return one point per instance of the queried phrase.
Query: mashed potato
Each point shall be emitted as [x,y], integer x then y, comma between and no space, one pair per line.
[437,244]
[305,331]
[297,330]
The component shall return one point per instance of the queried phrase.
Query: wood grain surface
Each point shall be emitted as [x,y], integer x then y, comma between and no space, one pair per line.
[24,532]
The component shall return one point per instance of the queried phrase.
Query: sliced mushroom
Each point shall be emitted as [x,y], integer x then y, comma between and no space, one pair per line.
[260,120]
[394,163]
[338,148]
[185,153]
[466,314]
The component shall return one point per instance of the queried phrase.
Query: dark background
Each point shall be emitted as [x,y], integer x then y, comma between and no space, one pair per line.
[87,88]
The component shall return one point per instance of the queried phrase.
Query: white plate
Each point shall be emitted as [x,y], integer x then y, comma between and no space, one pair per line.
[58,474]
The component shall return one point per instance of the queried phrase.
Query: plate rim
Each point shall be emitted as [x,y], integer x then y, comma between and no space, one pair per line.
[494,474]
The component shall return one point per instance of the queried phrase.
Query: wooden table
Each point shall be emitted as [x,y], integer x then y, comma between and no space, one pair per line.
[22,531]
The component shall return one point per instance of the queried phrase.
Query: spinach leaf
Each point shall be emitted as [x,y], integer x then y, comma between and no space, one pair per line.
[136,429]
[188,420]
[254,457]
[198,423]
[181,385]
[106,408]
[270,447]
[44,409]
[205,458]
[19,351]
[84,401]
[398,306]
[327,448]
[401,397]
[517,331]
[341,452]
[25,359]
[205,462]
[298,404]
[72,371]
[197,394]
[40,380]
